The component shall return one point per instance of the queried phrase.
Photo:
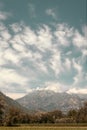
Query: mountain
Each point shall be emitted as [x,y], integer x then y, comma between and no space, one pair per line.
[10,102]
[83,97]
[49,100]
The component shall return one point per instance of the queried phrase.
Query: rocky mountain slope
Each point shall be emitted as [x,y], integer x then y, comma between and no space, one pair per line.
[49,100]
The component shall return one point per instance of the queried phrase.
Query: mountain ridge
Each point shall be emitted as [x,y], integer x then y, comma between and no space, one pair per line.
[48,100]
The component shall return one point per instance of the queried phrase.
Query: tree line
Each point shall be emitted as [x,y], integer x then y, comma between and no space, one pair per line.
[14,116]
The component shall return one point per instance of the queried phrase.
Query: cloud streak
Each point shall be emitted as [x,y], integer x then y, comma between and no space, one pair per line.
[51,12]
[32,10]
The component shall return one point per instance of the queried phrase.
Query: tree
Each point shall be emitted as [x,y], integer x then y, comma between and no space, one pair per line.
[13,117]
[2,112]
[50,117]
[24,118]
[72,114]
[82,114]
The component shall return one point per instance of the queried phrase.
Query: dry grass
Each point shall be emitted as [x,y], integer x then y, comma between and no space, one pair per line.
[42,128]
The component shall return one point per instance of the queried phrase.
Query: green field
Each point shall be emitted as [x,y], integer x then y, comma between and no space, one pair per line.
[43,128]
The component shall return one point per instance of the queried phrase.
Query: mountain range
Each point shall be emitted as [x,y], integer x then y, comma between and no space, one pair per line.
[48,100]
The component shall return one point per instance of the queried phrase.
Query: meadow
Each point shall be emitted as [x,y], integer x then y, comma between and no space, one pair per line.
[43,128]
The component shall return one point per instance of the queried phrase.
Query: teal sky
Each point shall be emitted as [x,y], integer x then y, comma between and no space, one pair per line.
[33,12]
[43,46]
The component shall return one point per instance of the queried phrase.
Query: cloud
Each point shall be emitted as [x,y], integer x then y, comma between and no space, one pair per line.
[51,12]
[63,34]
[42,67]
[2,26]
[55,62]
[77,91]
[79,76]
[14,95]
[67,64]
[16,27]
[5,34]
[11,56]
[51,86]
[27,35]
[44,38]
[41,54]
[1,5]
[4,15]
[84,52]
[19,47]
[84,30]
[8,76]
[77,66]
[69,53]
[32,10]
[79,40]
[2,61]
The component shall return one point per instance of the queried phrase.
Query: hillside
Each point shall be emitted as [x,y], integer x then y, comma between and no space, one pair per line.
[10,102]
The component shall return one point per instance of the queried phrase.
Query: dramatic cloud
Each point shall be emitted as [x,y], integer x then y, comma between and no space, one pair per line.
[43,55]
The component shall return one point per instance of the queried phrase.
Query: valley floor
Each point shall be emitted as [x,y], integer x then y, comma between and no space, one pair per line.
[43,128]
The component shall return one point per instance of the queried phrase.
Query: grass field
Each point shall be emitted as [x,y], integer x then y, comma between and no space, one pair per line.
[42,128]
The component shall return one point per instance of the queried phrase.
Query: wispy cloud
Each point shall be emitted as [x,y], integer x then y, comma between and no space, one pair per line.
[51,12]
[16,27]
[32,10]
[4,15]
[55,62]
[68,64]
[79,40]
[64,34]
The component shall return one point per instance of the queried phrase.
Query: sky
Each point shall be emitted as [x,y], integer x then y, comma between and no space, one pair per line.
[43,46]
